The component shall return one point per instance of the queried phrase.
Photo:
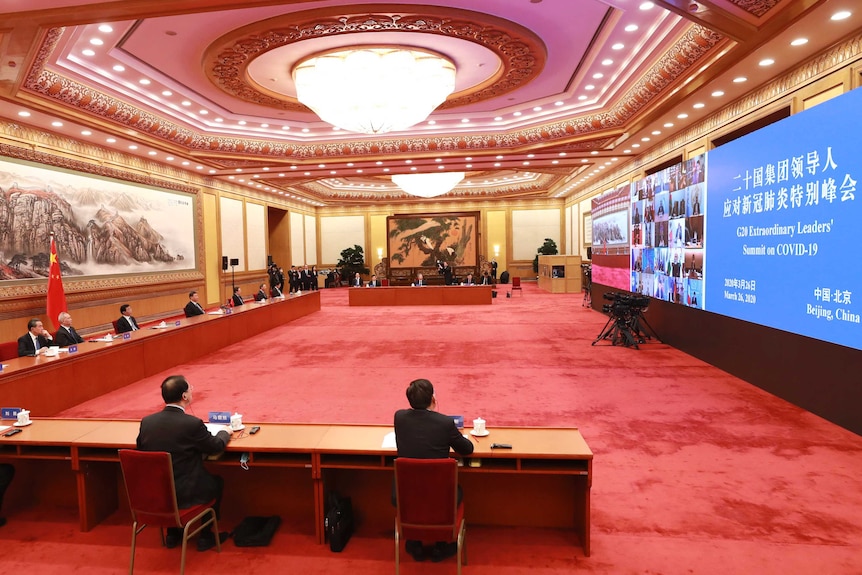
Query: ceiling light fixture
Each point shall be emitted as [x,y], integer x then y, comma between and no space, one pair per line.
[428,185]
[390,89]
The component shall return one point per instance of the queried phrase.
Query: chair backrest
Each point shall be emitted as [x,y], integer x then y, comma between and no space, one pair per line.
[8,350]
[516,282]
[427,498]
[149,479]
[115,324]
[384,282]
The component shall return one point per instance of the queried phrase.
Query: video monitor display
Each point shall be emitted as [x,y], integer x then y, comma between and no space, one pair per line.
[611,238]
[667,234]
[783,220]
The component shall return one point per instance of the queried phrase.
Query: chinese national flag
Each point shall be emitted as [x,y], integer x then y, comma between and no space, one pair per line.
[56,294]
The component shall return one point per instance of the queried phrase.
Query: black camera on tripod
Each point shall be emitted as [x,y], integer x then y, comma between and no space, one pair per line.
[625,304]
[626,325]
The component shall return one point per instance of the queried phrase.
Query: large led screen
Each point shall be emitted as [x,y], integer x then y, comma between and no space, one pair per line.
[783,222]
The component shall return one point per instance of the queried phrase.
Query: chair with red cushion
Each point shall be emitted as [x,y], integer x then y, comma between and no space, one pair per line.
[149,480]
[116,326]
[516,285]
[8,350]
[384,282]
[427,507]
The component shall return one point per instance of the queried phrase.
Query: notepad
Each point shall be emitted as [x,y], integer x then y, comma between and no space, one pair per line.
[214,428]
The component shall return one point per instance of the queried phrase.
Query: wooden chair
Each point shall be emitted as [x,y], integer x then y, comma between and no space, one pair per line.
[427,506]
[149,479]
[516,285]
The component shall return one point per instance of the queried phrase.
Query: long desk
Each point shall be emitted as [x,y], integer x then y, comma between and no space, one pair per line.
[544,481]
[48,385]
[425,295]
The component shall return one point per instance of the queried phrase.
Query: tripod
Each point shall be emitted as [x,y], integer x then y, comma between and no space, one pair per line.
[588,289]
[626,327]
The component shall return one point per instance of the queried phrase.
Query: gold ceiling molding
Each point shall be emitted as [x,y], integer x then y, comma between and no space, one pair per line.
[521,52]
[827,62]
[688,50]
[756,7]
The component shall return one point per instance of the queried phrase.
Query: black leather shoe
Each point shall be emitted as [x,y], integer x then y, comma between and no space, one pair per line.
[415,549]
[207,541]
[443,551]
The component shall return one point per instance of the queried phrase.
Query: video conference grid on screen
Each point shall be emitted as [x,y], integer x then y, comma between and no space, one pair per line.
[772,240]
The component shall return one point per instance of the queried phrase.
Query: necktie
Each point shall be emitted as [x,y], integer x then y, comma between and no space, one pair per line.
[36,343]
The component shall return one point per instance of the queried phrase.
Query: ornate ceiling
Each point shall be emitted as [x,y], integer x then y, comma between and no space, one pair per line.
[547,91]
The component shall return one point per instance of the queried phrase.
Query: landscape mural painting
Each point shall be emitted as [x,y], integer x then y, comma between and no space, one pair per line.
[422,240]
[101,226]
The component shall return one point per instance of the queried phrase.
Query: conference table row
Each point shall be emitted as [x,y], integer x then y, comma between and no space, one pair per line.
[424,295]
[543,481]
[48,385]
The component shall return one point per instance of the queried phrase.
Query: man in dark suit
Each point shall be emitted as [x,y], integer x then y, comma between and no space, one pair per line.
[486,279]
[446,270]
[423,433]
[261,294]
[127,322]
[357,280]
[469,281]
[187,439]
[66,335]
[193,308]
[36,340]
[236,299]
[374,282]
[7,472]
[275,291]
[420,281]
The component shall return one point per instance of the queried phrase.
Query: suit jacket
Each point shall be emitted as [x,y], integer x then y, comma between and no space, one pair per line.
[187,439]
[26,347]
[375,283]
[125,323]
[237,300]
[275,292]
[192,309]
[427,434]
[260,295]
[65,338]
[356,282]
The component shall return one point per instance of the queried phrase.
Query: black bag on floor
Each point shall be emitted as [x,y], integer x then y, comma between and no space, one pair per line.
[256,531]
[338,524]
[504,277]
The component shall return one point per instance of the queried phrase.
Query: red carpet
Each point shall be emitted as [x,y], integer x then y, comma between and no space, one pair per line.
[695,471]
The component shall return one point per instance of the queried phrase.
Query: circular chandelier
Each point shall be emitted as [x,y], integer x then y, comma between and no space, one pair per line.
[373,89]
[428,185]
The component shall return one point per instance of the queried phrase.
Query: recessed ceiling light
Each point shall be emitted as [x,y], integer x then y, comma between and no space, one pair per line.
[682,116]
[582,98]
[119,68]
[242,122]
[171,159]
[468,165]
[385,169]
[555,161]
[441,167]
[598,76]
[24,114]
[199,167]
[349,164]
[843,15]
[618,46]
[413,168]
[203,112]
[57,124]
[636,145]
[594,152]
[525,163]
[668,124]
[321,165]
[740,80]
[151,153]
[537,108]
[531,155]
[105,28]
[266,168]
[88,52]
[516,114]
[631,28]
[96,41]
[607,62]
[698,105]
[766,62]
[627,151]
[498,118]
[465,120]
[558,103]
[144,82]
[799,42]
[167,93]
[307,173]
[86,133]
[498,158]
[645,139]
[562,154]
[133,147]
[656,133]
[237,169]
[285,127]
[646,6]
[497,165]
[305,130]
[468,159]
[408,161]
[717,94]
[187,103]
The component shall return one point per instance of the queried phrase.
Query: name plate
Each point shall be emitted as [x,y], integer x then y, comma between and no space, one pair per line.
[228,310]
[127,335]
[12,413]
[73,348]
[459,421]
[177,323]
[218,417]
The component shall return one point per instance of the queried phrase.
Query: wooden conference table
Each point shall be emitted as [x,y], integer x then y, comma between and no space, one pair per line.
[543,481]
[48,385]
[425,295]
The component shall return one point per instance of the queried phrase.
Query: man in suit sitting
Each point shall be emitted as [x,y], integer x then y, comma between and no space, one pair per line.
[193,308]
[187,439]
[236,299]
[36,340]
[420,281]
[127,322]
[468,281]
[66,335]
[276,291]
[261,294]
[374,282]
[423,433]
[357,280]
